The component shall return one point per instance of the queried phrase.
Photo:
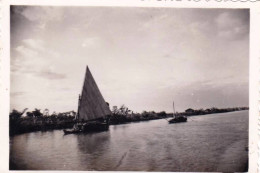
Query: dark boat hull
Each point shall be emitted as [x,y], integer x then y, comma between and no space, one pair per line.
[88,127]
[92,127]
[180,119]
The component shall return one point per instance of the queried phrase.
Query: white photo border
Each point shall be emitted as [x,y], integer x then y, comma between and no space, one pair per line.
[254,61]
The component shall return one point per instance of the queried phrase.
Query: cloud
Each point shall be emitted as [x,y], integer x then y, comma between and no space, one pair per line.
[47,74]
[154,20]
[91,42]
[42,16]
[232,26]
[25,51]
[34,44]
[200,28]
[36,17]
[31,48]
[36,59]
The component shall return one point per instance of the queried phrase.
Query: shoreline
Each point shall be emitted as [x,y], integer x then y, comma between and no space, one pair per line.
[34,124]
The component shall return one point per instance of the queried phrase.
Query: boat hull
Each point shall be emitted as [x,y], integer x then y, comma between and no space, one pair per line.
[178,120]
[92,127]
[88,127]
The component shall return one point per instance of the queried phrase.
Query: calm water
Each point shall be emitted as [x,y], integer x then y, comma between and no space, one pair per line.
[205,143]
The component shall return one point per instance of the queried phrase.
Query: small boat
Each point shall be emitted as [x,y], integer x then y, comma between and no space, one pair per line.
[66,132]
[93,112]
[177,118]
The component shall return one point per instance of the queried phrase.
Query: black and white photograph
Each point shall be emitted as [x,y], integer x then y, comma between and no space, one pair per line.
[105,88]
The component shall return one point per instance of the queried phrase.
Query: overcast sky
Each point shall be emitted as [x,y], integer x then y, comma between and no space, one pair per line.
[145,58]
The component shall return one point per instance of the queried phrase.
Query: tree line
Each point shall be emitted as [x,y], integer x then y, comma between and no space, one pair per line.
[41,120]
[36,120]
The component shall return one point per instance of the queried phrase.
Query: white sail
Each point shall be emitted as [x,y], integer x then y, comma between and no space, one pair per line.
[91,104]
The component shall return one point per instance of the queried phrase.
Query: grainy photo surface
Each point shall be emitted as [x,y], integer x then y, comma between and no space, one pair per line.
[129,89]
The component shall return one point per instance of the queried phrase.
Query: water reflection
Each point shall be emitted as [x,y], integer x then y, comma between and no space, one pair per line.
[94,142]
[92,148]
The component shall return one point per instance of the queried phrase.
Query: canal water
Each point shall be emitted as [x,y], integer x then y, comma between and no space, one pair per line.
[213,142]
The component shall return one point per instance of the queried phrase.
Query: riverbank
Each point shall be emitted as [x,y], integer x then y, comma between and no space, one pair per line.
[19,125]
[43,123]
[146,116]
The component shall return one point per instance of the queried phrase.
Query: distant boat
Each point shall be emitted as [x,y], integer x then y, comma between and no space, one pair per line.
[93,112]
[177,118]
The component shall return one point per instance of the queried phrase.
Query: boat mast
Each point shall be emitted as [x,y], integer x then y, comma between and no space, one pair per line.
[174,110]
[77,117]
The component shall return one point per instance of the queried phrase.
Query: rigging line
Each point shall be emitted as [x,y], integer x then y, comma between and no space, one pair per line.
[166,119]
[190,118]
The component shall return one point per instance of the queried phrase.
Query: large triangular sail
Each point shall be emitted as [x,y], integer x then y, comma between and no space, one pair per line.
[91,102]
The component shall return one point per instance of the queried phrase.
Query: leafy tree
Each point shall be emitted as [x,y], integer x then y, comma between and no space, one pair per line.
[189,110]
[46,112]
[145,114]
[123,110]
[115,110]
[37,113]
[14,115]
[73,113]
[162,114]
[29,114]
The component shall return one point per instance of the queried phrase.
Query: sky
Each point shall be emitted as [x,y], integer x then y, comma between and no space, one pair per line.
[144,58]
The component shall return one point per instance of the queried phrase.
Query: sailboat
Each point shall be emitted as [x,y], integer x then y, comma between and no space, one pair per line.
[93,112]
[177,118]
